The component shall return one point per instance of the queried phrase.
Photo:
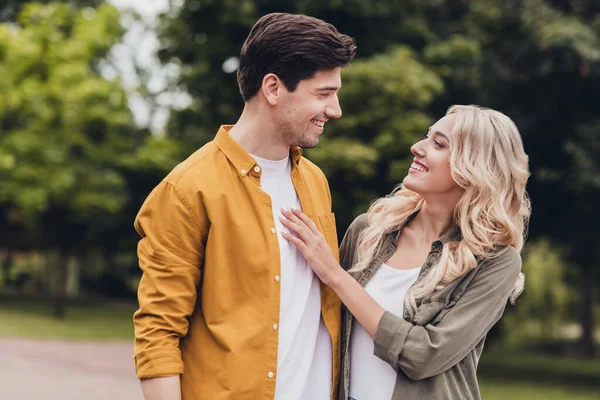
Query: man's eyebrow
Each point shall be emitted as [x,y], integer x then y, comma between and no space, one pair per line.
[323,88]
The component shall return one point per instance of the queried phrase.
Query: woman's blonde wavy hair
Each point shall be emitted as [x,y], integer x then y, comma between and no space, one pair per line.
[488,161]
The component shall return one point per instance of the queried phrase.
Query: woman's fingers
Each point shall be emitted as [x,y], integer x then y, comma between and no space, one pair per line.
[293,227]
[296,226]
[309,222]
[295,241]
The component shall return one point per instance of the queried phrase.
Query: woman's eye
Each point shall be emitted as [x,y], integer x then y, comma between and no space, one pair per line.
[438,144]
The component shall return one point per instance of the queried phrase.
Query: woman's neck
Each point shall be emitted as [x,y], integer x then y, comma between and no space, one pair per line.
[433,221]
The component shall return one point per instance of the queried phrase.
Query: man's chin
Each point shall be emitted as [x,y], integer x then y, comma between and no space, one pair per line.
[308,144]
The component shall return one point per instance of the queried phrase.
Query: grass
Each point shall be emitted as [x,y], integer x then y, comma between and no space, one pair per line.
[522,375]
[541,368]
[503,390]
[33,319]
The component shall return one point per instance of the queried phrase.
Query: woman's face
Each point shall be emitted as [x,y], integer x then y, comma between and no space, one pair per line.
[429,173]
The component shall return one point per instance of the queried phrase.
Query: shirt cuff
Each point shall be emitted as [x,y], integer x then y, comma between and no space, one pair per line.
[389,338]
[158,363]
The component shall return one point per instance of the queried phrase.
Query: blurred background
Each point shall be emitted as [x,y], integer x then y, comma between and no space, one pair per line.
[100,99]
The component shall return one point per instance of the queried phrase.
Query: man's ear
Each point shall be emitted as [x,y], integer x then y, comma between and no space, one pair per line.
[271,88]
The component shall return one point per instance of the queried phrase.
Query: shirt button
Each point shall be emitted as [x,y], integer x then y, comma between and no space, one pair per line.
[277,278]
[273,230]
[243,172]
[257,169]
[274,326]
[270,374]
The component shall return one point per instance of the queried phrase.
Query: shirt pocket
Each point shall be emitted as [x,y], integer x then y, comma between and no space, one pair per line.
[327,223]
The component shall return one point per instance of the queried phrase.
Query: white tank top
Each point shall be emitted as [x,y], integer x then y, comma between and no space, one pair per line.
[370,377]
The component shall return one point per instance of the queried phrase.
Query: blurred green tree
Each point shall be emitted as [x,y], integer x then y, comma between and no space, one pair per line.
[9,9]
[70,154]
[543,308]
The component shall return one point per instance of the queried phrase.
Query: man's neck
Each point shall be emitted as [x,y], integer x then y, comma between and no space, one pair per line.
[256,133]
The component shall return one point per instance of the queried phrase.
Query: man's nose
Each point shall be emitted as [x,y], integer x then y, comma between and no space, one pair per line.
[333,109]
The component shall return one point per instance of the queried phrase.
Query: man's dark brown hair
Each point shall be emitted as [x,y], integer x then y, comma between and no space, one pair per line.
[293,47]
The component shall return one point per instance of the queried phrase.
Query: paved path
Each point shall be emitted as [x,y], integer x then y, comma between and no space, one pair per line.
[56,370]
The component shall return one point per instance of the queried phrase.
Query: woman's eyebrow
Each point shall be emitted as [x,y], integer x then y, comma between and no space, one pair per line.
[442,135]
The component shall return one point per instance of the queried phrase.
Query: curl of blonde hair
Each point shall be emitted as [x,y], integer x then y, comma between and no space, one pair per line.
[488,161]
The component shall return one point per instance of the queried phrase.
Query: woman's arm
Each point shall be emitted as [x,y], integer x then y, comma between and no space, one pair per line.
[420,351]
[425,351]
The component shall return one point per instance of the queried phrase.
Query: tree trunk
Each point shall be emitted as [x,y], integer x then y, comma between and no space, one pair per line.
[7,268]
[60,284]
[587,345]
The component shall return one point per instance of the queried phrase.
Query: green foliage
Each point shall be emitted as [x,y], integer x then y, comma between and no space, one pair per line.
[543,307]
[63,126]
[73,167]
[68,147]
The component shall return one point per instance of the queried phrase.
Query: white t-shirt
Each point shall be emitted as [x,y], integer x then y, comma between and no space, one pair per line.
[304,356]
[370,377]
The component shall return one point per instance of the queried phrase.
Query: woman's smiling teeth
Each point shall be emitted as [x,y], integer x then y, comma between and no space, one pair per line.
[418,167]
[318,123]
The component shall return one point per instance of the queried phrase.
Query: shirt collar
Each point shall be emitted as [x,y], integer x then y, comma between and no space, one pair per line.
[239,157]
[453,235]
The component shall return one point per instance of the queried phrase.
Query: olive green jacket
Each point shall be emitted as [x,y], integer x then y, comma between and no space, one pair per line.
[436,349]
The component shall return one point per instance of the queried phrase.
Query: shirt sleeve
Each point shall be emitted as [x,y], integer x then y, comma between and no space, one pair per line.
[425,351]
[171,253]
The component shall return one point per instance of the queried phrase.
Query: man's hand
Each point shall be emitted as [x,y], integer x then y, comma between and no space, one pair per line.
[167,388]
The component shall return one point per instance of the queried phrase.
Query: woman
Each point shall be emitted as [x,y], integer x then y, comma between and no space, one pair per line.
[432,266]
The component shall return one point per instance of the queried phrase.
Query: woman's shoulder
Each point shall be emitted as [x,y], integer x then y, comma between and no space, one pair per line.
[350,241]
[505,258]
[359,224]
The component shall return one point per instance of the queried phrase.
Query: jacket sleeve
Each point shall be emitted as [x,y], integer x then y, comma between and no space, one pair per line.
[425,351]
[171,253]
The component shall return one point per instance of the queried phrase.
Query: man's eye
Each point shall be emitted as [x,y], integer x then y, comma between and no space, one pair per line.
[324,95]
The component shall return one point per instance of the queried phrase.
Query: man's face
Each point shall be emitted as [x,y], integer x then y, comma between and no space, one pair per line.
[304,112]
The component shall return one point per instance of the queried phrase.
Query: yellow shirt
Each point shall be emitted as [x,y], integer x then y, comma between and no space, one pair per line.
[209,293]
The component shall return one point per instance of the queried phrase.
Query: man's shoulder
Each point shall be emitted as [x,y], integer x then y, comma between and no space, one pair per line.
[195,169]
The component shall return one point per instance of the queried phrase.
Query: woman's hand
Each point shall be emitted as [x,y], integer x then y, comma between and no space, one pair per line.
[319,256]
[311,243]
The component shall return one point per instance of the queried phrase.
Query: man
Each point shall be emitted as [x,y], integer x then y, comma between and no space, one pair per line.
[228,308]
